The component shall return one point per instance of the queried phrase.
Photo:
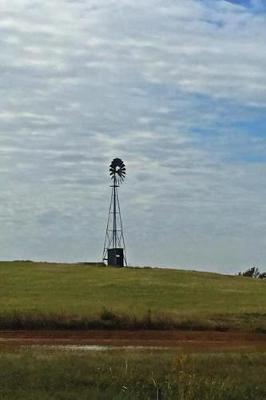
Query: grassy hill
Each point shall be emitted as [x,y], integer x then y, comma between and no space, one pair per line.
[46,295]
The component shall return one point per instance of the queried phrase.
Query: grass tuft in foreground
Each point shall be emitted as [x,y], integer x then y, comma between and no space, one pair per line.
[131,376]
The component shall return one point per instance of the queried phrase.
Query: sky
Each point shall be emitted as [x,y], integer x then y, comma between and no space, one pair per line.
[177,89]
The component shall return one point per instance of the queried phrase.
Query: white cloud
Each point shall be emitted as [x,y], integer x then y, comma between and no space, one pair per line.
[171,87]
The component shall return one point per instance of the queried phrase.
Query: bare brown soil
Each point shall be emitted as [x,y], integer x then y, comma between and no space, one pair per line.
[187,340]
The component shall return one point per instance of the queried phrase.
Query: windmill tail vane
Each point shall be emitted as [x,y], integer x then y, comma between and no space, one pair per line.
[114,251]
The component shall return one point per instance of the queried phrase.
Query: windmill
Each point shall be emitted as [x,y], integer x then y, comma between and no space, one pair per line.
[114,243]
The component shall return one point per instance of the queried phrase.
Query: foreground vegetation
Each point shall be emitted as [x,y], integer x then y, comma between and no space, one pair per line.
[63,296]
[128,375]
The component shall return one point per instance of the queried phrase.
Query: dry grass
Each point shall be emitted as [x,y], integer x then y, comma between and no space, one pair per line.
[131,375]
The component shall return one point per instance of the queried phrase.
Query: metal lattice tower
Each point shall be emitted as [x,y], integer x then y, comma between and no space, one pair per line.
[114,251]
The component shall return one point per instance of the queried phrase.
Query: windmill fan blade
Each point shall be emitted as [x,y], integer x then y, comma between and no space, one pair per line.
[117,170]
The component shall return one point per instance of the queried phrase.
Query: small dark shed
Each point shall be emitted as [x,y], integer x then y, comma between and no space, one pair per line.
[116,257]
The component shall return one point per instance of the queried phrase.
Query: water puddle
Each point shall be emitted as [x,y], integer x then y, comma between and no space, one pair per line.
[88,348]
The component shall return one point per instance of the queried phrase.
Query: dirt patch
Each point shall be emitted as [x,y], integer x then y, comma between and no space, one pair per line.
[187,340]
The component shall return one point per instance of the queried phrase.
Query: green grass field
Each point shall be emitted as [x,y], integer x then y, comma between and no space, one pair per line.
[131,375]
[83,294]
[58,296]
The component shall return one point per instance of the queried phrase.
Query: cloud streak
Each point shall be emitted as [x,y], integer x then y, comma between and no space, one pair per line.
[176,90]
